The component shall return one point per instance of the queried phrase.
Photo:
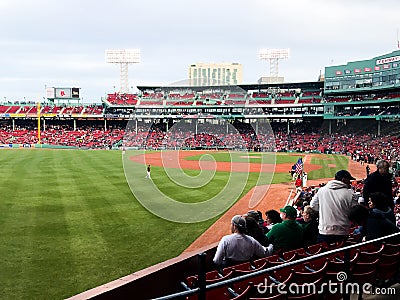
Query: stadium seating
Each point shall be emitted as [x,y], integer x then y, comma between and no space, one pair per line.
[122,99]
[388,268]
[13,109]
[211,277]
[335,143]
[93,110]
[4,108]
[367,264]
[222,293]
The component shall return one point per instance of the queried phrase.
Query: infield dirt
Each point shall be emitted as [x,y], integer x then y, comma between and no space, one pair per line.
[276,196]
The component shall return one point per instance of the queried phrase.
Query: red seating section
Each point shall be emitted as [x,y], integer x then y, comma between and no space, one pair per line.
[374,264]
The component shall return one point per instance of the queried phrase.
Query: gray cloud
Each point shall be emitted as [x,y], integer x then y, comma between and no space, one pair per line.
[62,42]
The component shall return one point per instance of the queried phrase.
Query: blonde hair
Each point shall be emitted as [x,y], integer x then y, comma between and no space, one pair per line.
[308,210]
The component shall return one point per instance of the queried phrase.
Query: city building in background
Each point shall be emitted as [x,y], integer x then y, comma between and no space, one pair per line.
[213,74]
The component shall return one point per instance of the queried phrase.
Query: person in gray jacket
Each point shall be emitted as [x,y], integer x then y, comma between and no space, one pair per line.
[237,247]
[333,202]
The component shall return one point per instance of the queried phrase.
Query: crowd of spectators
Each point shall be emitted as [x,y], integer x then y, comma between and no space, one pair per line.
[59,110]
[330,213]
[63,135]
[228,97]
[252,236]
[363,147]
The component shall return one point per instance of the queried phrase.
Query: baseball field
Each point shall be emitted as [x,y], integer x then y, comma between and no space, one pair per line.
[69,219]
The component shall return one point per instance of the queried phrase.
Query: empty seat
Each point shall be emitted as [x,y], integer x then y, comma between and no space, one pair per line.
[211,277]
[316,248]
[294,254]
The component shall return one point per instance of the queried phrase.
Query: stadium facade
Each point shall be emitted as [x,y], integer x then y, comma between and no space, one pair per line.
[379,73]
[361,96]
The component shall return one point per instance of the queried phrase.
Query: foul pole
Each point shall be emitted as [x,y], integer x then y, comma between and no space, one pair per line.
[38,123]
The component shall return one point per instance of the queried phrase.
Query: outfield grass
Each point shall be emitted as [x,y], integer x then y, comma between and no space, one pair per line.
[69,222]
[339,161]
[251,157]
[180,193]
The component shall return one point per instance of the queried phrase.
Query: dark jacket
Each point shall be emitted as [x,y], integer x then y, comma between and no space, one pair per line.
[310,232]
[388,214]
[260,237]
[375,182]
[377,225]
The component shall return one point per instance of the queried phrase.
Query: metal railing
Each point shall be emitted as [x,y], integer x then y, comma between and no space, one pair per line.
[202,287]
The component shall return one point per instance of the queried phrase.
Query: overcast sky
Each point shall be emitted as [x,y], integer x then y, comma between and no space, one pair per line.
[61,43]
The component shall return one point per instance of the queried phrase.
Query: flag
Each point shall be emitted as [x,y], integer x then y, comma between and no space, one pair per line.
[299,166]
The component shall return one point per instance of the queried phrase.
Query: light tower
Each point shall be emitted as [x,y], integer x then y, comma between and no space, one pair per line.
[273,55]
[123,58]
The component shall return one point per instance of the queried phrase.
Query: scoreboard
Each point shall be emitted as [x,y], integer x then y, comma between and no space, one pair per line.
[62,93]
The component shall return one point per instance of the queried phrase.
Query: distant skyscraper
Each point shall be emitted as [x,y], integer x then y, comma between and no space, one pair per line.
[203,74]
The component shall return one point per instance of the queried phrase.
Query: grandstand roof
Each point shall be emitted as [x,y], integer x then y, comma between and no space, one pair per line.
[292,85]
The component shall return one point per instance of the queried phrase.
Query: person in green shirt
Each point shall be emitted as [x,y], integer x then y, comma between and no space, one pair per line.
[287,235]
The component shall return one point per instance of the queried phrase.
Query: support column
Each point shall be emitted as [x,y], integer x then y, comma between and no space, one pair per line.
[288,127]
[202,276]
[105,124]
[330,127]
[44,124]
[379,128]
[74,125]
[13,124]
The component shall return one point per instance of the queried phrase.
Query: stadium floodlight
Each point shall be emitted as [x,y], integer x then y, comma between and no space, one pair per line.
[273,56]
[123,58]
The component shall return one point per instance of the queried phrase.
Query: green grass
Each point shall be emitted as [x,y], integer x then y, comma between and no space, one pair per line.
[326,171]
[340,162]
[180,193]
[69,222]
[266,158]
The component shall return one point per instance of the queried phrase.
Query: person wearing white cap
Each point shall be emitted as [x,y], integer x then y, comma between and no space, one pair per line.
[237,247]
